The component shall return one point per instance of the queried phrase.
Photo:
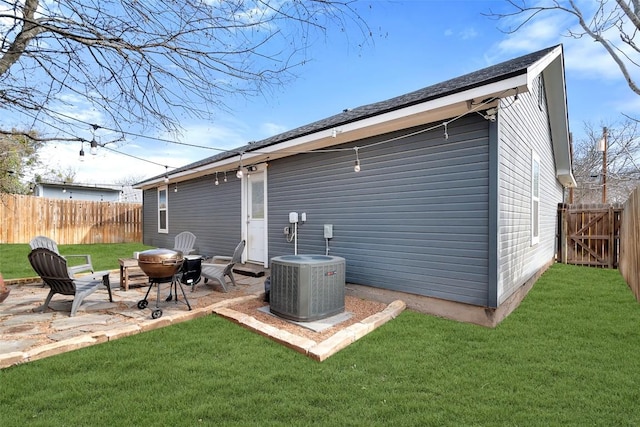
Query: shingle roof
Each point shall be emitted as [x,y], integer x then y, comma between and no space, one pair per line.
[494,73]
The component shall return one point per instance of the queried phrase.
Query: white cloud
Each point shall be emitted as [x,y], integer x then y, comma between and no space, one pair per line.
[537,35]
[464,34]
[468,33]
[584,57]
[140,157]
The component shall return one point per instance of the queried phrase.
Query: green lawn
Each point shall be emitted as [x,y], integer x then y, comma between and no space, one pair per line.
[569,355]
[14,263]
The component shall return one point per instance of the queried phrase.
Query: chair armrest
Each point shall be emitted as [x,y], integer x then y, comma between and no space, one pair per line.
[97,276]
[87,265]
[212,264]
[87,257]
[100,274]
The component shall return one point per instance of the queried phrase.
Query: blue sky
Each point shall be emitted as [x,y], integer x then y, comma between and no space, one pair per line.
[416,43]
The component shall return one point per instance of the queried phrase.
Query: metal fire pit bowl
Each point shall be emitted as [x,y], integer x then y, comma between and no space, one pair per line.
[160,263]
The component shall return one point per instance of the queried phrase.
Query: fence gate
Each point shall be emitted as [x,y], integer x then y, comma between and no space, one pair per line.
[589,234]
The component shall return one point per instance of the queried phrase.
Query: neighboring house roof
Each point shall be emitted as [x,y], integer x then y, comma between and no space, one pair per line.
[433,103]
[70,185]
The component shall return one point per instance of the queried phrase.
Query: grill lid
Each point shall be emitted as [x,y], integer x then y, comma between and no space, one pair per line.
[160,263]
[159,255]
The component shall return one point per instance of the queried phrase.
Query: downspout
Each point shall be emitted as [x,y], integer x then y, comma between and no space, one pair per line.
[494,214]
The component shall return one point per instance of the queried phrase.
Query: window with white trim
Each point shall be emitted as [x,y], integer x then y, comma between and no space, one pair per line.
[535,198]
[163,210]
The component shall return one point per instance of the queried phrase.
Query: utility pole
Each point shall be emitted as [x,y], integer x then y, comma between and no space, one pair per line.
[603,147]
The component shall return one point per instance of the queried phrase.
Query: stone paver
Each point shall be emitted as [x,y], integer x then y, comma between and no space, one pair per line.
[28,334]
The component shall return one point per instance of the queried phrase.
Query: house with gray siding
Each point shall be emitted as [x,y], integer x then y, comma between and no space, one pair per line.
[69,190]
[455,198]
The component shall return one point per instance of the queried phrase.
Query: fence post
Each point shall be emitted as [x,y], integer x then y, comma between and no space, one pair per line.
[612,246]
[561,255]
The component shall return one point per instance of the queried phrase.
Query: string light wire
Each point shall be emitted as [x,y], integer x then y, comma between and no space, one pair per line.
[445,125]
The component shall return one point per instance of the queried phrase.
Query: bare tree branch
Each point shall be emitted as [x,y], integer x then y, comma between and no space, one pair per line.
[606,18]
[150,63]
[623,170]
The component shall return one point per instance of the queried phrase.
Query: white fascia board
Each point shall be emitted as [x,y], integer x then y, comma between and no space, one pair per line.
[555,92]
[442,108]
[543,63]
[422,111]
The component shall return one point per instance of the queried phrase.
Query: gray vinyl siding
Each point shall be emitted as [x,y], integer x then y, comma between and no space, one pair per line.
[415,218]
[210,212]
[150,216]
[524,127]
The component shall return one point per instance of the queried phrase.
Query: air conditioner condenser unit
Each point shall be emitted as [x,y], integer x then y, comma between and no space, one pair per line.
[307,287]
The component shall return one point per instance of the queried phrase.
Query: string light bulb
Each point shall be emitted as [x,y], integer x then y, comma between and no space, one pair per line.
[94,147]
[93,144]
[239,172]
[166,174]
[175,189]
[81,155]
[225,176]
[356,167]
[216,182]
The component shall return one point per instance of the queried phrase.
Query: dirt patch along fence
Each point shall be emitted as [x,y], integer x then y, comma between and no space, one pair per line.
[629,265]
[68,221]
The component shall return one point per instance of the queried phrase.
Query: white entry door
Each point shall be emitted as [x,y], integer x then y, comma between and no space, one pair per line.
[256,216]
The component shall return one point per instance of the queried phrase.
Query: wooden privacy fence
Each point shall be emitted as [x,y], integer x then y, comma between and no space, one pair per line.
[68,221]
[630,243]
[589,234]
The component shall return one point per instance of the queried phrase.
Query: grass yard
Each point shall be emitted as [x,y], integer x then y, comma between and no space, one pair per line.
[14,263]
[568,356]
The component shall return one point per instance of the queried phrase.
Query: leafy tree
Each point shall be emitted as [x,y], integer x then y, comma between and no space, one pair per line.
[17,153]
[151,63]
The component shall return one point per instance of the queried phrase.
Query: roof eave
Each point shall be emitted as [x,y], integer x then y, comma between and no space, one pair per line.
[556,94]
[431,111]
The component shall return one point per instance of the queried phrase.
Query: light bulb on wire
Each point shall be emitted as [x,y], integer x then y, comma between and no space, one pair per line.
[239,172]
[93,144]
[94,147]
